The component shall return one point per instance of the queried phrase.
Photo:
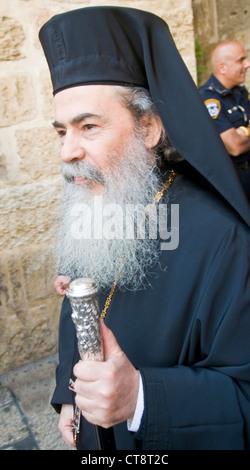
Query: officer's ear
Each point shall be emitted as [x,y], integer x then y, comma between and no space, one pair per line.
[152,126]
[222,68]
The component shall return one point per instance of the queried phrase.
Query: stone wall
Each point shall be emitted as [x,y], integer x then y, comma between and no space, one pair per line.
[30,185]
[220,20]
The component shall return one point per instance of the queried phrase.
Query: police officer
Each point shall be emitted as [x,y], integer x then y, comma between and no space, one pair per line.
[227,102]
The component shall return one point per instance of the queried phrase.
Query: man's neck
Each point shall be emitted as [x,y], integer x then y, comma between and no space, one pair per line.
[224,82]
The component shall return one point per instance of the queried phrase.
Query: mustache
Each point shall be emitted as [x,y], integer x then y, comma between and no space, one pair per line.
[83,169]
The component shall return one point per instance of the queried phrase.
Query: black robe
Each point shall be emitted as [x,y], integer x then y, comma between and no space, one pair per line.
[188,332]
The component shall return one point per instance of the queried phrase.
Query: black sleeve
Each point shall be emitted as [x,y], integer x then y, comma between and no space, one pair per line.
[68,356]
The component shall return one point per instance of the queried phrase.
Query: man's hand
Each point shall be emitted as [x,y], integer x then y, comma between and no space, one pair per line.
[106,392]
[65,424]
[61,284]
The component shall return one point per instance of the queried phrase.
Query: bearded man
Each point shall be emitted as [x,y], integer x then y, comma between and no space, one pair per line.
[124,176]
[176,363]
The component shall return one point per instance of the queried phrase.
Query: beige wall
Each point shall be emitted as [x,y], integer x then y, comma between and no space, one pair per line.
[30,184]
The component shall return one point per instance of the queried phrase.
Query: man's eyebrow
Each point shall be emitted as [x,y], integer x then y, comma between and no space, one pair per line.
[243,57]
[76,120]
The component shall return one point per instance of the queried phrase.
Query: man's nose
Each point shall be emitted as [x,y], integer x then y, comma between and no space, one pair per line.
[247,63]
[72,149]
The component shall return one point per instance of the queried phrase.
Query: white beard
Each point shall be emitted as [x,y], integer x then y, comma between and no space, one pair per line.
[130,179]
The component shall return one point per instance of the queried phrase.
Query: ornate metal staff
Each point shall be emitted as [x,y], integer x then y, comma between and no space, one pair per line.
[83,296]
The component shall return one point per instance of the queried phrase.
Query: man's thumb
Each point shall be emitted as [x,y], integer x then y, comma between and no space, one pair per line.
[110,345]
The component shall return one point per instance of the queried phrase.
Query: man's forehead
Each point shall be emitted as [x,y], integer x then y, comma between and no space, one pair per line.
[76,104]
[85,91]
[86,98]
[238,52]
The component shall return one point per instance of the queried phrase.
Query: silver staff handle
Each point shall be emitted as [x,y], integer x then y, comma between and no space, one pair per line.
[83,296]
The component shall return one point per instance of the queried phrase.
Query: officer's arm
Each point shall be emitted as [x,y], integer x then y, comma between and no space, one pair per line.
[236,141]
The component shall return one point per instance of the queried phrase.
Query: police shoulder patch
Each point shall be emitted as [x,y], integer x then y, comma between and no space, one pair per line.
[213,107]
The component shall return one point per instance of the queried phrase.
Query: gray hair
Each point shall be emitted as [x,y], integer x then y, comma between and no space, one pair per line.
[139,101]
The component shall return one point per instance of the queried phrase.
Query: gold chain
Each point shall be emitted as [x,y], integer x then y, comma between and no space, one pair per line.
[157,198]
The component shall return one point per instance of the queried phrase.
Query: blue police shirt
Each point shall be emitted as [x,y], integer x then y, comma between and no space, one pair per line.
[228,108]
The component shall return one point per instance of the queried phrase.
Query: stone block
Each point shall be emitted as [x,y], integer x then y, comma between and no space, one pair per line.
[39,273]
[39,152]
[17,294]
[39,336]
[28,213]
[29,306]
[11,39]
[13,347]
[17,100]
[232,19]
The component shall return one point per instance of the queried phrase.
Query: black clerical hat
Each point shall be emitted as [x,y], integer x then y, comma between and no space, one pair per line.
[126,46]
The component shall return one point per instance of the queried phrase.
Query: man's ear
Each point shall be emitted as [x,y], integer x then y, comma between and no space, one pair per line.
[222,68]
[153,130]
